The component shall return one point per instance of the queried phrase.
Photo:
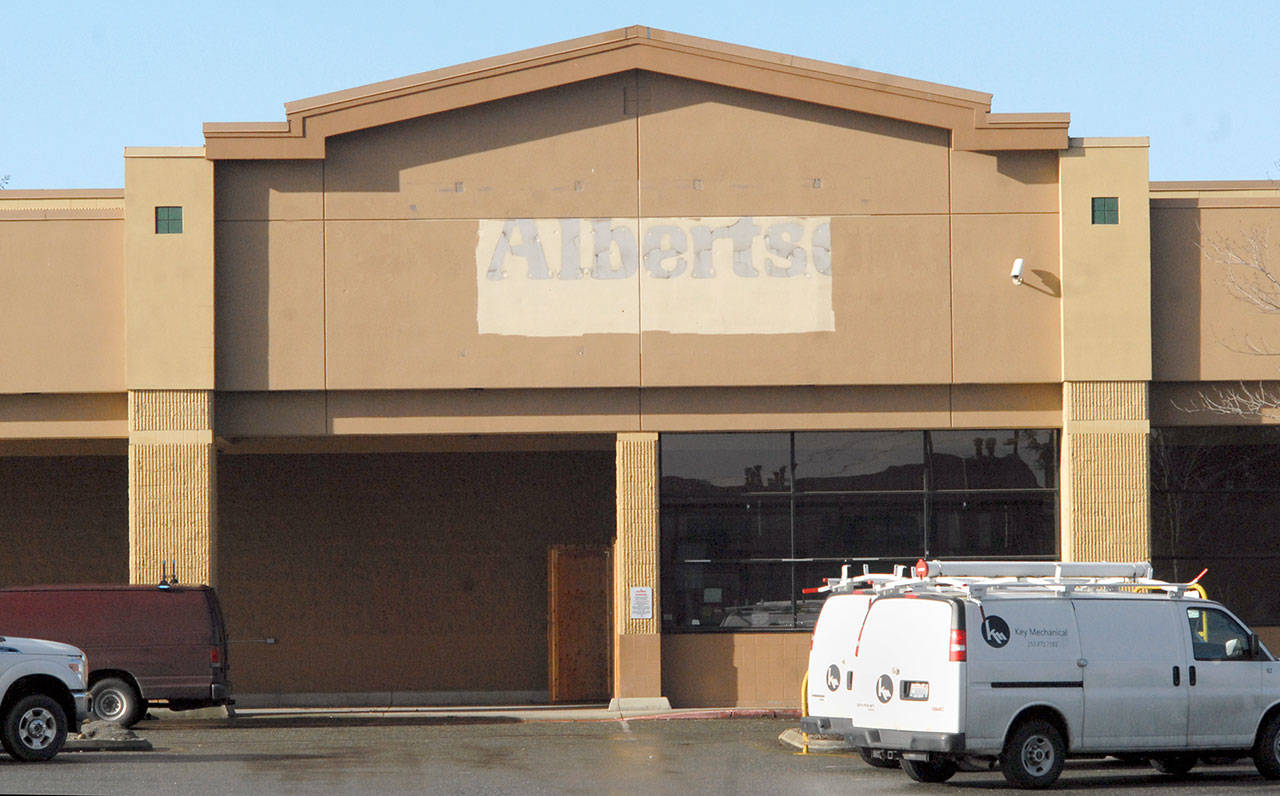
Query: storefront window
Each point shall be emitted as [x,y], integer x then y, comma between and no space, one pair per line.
[1215,504]
[749,520]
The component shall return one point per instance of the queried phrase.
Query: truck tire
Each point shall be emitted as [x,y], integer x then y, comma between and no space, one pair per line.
[116,702]
[35,727]
[1034,755]
[929,770]
[1266,752]
[1177,765]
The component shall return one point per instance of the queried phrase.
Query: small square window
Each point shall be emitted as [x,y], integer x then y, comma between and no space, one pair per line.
[1106,210]
[168,220]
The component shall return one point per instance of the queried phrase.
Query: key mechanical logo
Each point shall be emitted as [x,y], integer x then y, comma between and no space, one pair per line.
[884,688]
[833,677]
[995,631]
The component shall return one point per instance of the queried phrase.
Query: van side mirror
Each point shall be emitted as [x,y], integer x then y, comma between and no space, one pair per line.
[1255,647]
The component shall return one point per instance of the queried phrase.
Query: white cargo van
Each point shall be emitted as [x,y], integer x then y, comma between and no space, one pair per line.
[826,687]
[1018,666]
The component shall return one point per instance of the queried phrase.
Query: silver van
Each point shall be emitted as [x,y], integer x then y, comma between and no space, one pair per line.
[1021,672]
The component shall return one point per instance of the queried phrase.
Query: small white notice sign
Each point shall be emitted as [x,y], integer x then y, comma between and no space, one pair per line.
[641,602]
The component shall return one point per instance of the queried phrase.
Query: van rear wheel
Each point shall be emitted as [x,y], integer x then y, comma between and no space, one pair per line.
[929,770]
[115,701]
[1034,755]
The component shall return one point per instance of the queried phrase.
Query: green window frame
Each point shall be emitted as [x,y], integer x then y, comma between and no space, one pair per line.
[168,220]
[1106,210]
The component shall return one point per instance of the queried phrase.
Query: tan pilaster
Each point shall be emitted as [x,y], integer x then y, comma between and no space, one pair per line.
[637,648]
[1105,472]
[169,364]
[1106,351]
[172,485]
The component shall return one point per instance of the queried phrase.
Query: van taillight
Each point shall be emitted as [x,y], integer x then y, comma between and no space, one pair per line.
[957,646]
[215,656]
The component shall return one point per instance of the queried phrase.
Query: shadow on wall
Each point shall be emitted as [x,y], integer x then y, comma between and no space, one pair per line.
[400,572]
[64,519]
[1176,300]
[756,670]
[698,670]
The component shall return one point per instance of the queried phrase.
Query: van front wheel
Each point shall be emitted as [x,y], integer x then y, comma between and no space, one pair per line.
[929,770]
[1266,753]
[115,701]
[1033,756]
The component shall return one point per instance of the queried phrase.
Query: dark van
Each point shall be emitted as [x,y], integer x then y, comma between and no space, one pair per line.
[146,645]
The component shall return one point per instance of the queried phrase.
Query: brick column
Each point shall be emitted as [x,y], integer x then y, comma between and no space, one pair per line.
[637,642]
[172,485]
[1105,471]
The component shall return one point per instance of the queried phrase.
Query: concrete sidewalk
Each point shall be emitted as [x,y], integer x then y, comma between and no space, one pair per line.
[589,712]
[453,713]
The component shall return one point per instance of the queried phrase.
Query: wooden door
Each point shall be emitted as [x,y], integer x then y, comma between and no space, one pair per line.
[579,639]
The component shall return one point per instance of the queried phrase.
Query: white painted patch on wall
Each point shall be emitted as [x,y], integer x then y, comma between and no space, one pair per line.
[566,277]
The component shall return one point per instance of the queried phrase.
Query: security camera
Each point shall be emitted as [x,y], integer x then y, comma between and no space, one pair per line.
[1016,273]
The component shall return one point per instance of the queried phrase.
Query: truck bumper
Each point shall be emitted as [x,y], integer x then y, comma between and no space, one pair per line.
[81,699]
[906,740]
[826,725]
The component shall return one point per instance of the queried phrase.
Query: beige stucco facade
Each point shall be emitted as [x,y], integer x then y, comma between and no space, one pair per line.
[539,264]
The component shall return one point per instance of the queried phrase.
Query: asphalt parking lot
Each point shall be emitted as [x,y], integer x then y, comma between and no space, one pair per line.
[493,754]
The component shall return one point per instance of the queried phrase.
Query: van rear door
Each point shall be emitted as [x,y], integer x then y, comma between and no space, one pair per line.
[904,678]
[1135,673]
[831,656]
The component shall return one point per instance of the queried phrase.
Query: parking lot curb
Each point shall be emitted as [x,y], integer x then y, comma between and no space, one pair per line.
[814,744]
[107,745]
[100,736]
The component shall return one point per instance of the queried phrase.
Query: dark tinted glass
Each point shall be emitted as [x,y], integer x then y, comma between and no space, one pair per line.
[728,596]
[727,529]
[859,525]
[1006,459]
[718,464]
[1215,505]
[1000,525]
[859,461]
[741,538]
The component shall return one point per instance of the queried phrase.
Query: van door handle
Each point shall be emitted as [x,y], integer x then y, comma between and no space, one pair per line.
[1191,670]
[1177,675]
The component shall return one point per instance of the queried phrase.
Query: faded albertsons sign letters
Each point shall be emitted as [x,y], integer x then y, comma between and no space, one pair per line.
[568,276]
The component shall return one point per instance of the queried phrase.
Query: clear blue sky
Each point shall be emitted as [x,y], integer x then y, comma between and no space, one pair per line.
[79,81]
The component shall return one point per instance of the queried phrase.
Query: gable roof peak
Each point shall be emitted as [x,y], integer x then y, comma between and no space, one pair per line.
[310,121]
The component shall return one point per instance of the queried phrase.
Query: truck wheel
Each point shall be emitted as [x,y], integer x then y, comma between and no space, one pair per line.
[870,757]
[1266,752]
[929,770]
[1177,765]
[115,701]
[1033,756]
[34,728]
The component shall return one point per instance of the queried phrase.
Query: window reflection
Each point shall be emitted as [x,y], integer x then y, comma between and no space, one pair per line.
[859,461]
[711,464]
[1018,459]
[1215,500]
[748,520]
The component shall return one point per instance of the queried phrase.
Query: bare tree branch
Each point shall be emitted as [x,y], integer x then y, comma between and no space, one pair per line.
[1248,277]
[1243,400]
